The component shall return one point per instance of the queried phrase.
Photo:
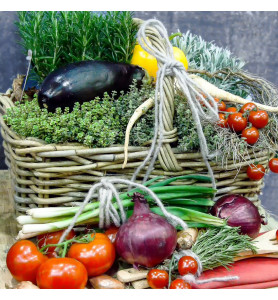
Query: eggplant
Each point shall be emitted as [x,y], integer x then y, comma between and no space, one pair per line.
[85,80]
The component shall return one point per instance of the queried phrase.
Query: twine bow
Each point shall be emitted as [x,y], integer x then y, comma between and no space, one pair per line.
[201,108]
[107,211]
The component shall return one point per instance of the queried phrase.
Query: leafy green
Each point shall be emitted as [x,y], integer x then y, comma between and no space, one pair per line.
[57,38]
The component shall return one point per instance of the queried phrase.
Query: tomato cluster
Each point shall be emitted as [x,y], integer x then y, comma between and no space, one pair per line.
[238,120]
[159,279]
[26,262]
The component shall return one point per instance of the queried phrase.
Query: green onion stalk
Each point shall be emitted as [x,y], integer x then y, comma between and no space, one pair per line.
[191,203]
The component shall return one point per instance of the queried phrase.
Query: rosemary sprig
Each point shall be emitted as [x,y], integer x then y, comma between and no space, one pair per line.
[59,38]
[216,247]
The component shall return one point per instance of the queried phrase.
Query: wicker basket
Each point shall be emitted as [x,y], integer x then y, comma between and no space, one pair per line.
[60,175]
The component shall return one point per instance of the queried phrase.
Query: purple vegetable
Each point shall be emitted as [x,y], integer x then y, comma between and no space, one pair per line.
[239,212]
[146,239]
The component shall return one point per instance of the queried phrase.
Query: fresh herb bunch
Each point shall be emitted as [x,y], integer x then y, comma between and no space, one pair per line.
[57,38]
[203,55]
[216,247]
[97,123]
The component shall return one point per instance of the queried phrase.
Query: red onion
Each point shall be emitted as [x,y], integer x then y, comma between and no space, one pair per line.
[239,212]
[146,239]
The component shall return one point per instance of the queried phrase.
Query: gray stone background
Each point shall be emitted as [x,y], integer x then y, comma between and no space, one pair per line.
[252,36]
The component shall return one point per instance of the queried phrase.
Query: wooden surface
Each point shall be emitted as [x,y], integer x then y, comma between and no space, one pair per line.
[8,228]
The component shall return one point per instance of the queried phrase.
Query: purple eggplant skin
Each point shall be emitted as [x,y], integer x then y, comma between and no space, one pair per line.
[83,81]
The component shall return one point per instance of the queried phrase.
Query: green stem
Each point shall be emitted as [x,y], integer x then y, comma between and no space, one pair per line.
[174,35]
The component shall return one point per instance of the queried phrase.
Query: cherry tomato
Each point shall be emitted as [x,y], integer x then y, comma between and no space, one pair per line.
[97,256]
[223,121]
[157,279]
[62,273]
[111,233]
[221,104]
[180,284]
[23,260]
[187,265]
[237,122]
[259,119]
[255,172]
[231,109]
[276,235]
[52,238]
[273,165]
[248,107]
[251,135]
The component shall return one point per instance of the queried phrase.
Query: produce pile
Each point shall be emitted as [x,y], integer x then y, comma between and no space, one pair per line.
[92,79]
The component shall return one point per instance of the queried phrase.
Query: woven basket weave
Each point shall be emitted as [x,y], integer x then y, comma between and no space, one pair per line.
[61,174]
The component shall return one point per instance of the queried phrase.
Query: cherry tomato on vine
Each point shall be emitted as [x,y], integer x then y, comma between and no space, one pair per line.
[187,265]
[221,104]
[251,135]
[259,119]
[273,165]
[231,109]
[237,122]
[223,121]
[157,279]
[180,284]
[111,233]
[97,256]
[255,172]
[52,238]
[62,273]
[248,107]
[23,260]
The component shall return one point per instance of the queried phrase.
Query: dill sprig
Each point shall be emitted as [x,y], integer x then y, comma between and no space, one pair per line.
[57,38]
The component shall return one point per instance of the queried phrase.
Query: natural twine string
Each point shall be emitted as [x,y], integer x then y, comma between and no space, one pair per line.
[194,278]
[29,59]
[107,212]
[170,67]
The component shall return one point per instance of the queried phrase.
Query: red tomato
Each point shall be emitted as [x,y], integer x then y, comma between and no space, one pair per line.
[223,121]
[237,122]
[23,261]
[221,104]
[255,172]
[273,165]
[248,107]
[111,233]
[52,238]
[187,265]
[180,284]
[62,273]
[276,235]
[231,109]
[259,119]
[157,279]
[251,135]
[97,256]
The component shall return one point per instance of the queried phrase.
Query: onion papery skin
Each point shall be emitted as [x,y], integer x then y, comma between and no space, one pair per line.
[146,239]
[239,212]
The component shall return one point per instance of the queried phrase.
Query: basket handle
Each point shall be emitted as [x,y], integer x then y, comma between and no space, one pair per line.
[166,155]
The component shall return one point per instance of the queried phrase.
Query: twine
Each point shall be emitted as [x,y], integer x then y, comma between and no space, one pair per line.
[192,91]
[194,278]
[107,212]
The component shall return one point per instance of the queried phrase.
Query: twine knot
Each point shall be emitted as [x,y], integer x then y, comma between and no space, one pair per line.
[172,66]
[194,278]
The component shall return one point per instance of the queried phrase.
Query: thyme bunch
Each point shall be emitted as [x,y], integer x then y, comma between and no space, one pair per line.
[57,38]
